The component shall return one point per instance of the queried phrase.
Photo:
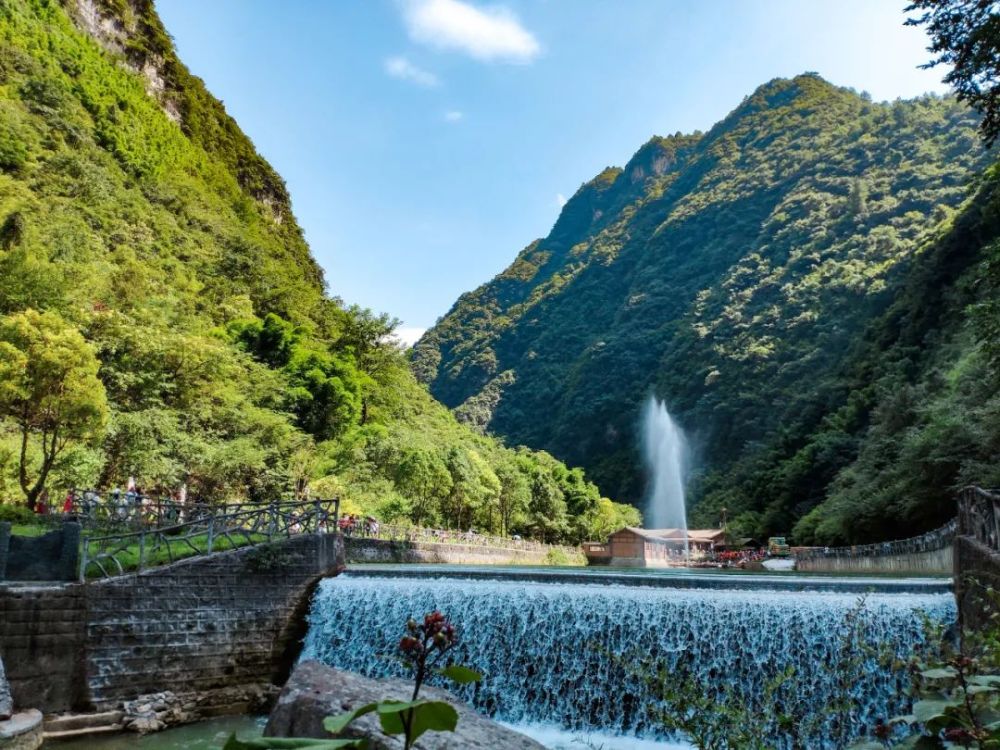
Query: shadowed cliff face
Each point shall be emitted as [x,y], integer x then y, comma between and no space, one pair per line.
[729,272]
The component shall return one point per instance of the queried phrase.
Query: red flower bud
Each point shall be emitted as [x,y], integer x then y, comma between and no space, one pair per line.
[882,730]
[409,645]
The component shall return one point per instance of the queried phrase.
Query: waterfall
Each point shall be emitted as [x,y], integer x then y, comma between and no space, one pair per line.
[544,648]
[665,452]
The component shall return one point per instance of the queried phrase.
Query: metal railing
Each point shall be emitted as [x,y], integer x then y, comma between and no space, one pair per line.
[932,541]
[117,510]
[445,536]
[979,516]
[203,530]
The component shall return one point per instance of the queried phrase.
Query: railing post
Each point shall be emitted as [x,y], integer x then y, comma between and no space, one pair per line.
[211,532]
[142,549]
[83,559]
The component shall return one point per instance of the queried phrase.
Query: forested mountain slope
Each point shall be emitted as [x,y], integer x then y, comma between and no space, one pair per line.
[731,273]
[142,236]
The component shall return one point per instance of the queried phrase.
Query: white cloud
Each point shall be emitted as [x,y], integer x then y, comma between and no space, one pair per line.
[453,115]
[488,34]
[560,200]
[404,70]
[408,335]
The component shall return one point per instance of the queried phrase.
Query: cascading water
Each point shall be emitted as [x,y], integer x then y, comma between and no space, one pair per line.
[544,648]
[665,451]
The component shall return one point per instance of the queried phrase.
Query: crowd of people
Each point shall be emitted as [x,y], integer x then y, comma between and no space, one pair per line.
[352,525]
[737,558]
[130,504]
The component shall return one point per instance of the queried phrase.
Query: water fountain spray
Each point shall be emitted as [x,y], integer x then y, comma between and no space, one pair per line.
[665,452]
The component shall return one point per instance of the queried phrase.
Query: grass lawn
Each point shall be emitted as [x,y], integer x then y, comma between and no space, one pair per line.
[162,549]
[29,529]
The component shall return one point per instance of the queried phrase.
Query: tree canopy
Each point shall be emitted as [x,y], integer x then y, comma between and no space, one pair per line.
[965,36]
[50,390]
[162,316]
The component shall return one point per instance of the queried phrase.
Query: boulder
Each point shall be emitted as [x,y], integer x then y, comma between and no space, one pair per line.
[6,701]
[315,691]
[22,731]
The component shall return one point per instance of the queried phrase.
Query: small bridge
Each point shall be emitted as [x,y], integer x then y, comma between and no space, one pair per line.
[977,556]
[118,538]
[200,531]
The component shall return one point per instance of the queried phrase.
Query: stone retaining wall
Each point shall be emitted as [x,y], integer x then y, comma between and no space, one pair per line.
[223,624]
[53,556]
[367,550]
[42,642]
[979,568]
[936,562]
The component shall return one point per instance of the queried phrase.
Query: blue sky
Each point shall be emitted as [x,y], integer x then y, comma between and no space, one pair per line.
[425,142]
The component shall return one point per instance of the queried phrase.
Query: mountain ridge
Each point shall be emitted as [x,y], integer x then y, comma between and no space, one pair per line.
[139,224]
[750,261]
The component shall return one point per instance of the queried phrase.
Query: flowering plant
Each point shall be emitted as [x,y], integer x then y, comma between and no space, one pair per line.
[424,645]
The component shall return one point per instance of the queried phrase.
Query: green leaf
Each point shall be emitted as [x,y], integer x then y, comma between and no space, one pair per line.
[433,716]
[337,724]
[291,743]
[991,680]
[866,745]
[461,675]
[940,673]
[977,689]
[928,710]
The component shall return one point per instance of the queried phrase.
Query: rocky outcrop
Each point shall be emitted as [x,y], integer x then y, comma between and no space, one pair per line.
[151,713]
[22,731]
[316,691]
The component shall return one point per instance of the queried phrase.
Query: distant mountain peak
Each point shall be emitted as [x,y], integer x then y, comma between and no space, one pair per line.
[727,272]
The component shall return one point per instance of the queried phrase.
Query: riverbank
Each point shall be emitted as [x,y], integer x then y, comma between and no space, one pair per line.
[213,733]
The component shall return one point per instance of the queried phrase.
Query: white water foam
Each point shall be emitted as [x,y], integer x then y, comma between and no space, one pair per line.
[543,648]
[557,738]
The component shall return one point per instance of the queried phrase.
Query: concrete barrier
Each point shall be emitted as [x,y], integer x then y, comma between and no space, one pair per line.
[360,549]
[934,562]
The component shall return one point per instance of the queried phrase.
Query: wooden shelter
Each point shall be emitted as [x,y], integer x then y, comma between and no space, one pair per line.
[632,547]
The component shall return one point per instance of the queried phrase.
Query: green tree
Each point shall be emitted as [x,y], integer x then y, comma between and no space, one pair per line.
[49,388]
[424,477]
[514,496]
[965,35]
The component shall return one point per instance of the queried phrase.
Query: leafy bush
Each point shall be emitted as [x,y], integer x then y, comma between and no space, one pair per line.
[16,513]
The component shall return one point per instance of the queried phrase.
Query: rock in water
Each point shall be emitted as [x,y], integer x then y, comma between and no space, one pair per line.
[315,691]
[6,701]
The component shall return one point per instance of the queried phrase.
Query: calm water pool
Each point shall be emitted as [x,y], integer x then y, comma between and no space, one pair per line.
[205,735]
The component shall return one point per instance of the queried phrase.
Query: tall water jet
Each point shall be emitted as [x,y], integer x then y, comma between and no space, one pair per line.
[665,452]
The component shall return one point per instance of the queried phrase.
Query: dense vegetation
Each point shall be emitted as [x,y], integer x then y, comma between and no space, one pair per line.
[143,239]
[734,274]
